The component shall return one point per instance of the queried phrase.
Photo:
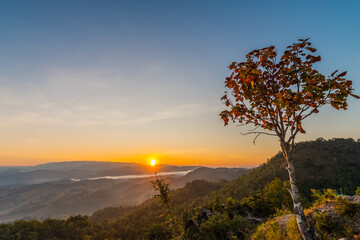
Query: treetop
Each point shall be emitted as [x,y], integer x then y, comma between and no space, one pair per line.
[277,95]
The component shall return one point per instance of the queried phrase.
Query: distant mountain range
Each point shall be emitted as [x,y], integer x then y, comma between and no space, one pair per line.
[48,172]
[47,190]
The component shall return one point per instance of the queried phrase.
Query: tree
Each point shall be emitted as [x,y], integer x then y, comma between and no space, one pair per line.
[277,96]
[164,197]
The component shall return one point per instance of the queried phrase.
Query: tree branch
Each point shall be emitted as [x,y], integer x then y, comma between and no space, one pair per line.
[258,134]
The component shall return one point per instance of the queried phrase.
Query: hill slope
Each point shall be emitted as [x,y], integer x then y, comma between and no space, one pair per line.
[319,164]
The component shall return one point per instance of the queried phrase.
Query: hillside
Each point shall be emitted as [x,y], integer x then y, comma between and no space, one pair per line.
[331,217]
[319,164]
[211,175]
[223,210]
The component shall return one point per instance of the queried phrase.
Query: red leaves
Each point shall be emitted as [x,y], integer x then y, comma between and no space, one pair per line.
[334,73]
[311,49]
[277,95]
[300,128]
[227,102]
[342,74]
[317,59]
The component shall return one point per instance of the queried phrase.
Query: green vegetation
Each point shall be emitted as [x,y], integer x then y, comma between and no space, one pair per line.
[164,196]
[357,192]
[255,206]
[272,230]
[332,216]
[267,202]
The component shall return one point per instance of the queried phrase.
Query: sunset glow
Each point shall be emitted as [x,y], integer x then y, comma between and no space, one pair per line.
[152,162]
[137,81]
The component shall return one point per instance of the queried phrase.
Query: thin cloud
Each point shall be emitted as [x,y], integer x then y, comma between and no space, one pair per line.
[65,97]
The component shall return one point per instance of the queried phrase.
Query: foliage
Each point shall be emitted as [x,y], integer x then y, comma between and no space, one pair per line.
[278,96]
[324,195]
[328,228]
[221,226]
[332,217]
[110,212]
[347,209]
[163,188]
[342,206]
[272,230]
[292,230]
[158,232]
[357,192]
[74,228]
[272,198]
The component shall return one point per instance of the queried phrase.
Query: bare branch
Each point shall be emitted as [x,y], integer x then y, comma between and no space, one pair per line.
[254,129]
[258,134]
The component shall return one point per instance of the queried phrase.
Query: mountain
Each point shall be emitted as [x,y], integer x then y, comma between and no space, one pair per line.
[48,172]
[211,175]
[215,174]
[50,190]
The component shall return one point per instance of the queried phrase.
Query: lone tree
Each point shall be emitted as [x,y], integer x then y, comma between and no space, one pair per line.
[277,96]
[159,184]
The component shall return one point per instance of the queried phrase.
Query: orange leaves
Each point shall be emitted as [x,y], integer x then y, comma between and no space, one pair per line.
[316,59]
[280,94]
[300,128]
[302,131]
[342,74]
[225,117]
[252,83]
[227,102]
[311,49]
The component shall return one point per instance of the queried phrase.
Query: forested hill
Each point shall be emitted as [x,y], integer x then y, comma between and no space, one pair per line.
[319,164]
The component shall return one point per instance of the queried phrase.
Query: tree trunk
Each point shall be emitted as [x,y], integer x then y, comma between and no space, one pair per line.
[298,209]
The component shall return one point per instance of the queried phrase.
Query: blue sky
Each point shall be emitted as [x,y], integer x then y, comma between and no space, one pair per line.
[130,80]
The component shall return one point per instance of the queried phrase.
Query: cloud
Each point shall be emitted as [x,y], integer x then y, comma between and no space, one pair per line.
[91,98]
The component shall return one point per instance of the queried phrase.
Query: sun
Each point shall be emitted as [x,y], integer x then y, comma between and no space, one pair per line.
[152,162]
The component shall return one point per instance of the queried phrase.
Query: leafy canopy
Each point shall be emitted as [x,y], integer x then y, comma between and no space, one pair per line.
[279,95]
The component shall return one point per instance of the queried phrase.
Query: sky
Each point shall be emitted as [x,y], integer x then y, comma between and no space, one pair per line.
[134,80]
